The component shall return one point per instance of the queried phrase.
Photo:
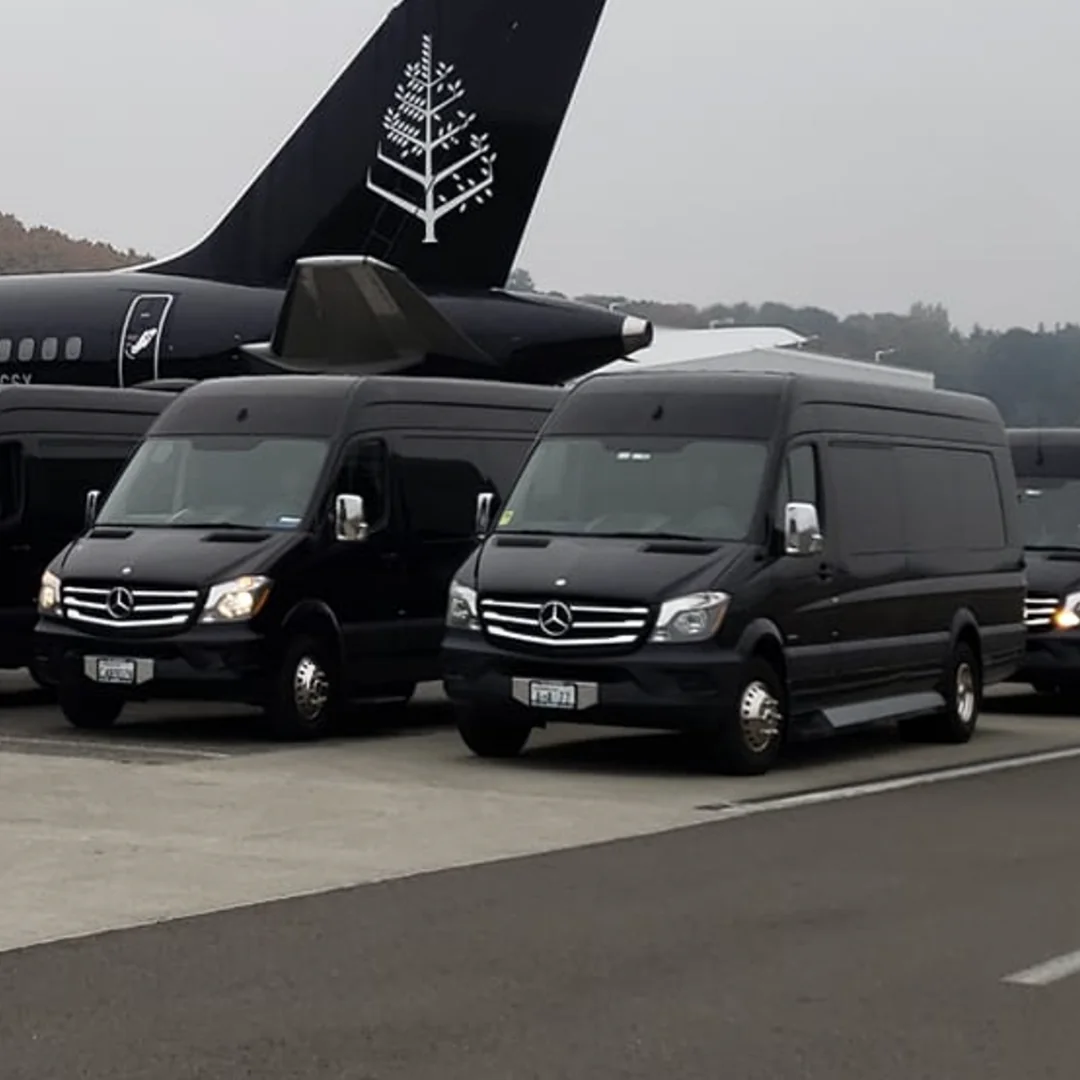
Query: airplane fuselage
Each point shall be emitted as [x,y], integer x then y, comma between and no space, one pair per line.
[120,328]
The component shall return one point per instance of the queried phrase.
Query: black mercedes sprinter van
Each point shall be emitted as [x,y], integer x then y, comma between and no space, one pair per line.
[286,541]
[1047,466]
[55,442]
[744,556]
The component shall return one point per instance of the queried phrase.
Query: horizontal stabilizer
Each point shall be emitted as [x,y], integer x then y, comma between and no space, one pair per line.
[356,315]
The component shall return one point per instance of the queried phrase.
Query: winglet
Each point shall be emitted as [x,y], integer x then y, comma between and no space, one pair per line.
[356,314]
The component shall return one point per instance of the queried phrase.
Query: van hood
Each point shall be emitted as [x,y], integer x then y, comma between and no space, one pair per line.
[633,571]
[186,558]
[1053,572]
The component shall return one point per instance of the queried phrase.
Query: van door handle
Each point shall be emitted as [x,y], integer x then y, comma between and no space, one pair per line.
[825,572]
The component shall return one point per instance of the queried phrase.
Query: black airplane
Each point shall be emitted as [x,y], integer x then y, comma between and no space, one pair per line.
[377,240]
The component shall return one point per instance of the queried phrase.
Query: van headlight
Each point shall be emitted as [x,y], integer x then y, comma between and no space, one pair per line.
[48,593]
[461,608]
[1067,617]
[236,600]
[690,618]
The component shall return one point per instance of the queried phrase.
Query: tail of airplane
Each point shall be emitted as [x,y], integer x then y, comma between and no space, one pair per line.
[427,153]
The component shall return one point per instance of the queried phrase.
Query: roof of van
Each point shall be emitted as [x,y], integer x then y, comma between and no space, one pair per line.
[107,398]
[320,404]
[797,388]
[1044,436]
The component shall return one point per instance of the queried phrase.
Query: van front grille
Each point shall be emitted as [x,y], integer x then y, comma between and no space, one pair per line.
[122,607]
[563,624]
[1038,609]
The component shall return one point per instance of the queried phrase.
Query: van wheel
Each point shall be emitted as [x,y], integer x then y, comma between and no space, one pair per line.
[748,742]
[487,735]
[88,708]
[963,691]
[304,695]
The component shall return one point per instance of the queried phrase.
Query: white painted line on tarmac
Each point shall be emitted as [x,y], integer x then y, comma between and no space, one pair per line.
[1052,971]
[114,747]
[899,783]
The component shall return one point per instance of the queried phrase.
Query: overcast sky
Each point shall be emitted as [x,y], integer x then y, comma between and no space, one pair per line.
[855,154]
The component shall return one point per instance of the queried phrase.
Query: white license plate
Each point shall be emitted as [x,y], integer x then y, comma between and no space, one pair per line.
[544,695]
[110,670]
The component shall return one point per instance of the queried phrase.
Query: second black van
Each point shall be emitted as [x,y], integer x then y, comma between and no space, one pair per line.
[286,541]
[744,556]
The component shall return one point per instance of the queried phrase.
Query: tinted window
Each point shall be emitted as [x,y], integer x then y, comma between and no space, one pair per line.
[49,348]
[208,480]
[639,485]
[442,475]
[951,500]
[866,486]
[798,481]
[58,474]
[5,350]
[26,349]
[73,348]
[363,473]
[1049,511]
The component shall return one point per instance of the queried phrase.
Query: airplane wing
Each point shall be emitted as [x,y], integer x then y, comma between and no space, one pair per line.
[357,315]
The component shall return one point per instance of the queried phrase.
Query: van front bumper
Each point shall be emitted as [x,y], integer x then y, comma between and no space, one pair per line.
[1052,657]
[204,663]
[665,687]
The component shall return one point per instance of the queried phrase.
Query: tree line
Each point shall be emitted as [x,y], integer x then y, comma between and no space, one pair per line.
[1033,376]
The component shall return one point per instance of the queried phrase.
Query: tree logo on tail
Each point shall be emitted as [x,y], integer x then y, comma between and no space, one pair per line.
[430,147]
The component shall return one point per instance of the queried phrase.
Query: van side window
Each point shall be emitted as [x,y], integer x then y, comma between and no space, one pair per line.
[11,487]
[59,473]
[441,476]
[364,473]
[952,499]
[866,484]
[798,482]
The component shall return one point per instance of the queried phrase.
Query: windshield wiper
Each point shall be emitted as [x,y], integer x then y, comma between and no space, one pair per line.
[1053,547]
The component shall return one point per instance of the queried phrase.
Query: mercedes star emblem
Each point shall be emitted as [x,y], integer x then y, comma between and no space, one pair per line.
[120,603]
[555,618]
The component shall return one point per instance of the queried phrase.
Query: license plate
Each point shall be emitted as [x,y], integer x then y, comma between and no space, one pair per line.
[110,670]
[543,695]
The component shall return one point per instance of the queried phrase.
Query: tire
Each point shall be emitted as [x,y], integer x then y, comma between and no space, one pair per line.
[304,696]
[88,708]
[963,692]
[487,735]
[749,740]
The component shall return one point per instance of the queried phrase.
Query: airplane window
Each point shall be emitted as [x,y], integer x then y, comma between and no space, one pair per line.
[26,349]
[5,350]
[49,348]
[73,348]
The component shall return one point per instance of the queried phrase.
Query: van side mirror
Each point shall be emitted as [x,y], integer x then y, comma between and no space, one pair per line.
[802,531]
[485,505]
[92,500]
[350,523]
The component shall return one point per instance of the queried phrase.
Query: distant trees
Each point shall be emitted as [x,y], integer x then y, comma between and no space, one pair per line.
[1033,376]
[41,250]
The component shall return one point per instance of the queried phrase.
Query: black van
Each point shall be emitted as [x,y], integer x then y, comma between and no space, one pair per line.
[743,556]
[1047,466]
[55,442]
[283,541]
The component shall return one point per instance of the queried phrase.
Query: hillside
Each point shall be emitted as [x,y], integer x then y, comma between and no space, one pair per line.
[39,249]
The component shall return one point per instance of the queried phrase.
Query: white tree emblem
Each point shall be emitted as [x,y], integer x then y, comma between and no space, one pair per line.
[425,145]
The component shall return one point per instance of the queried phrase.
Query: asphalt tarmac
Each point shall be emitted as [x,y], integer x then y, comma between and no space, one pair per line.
[604,911]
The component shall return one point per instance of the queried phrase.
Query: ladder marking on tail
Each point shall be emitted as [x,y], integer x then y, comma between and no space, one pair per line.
[424,145]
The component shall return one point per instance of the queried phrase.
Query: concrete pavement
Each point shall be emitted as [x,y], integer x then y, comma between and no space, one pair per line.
[842,941]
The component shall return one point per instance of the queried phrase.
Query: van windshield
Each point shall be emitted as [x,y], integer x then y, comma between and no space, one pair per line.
[217,480]
[638,486]
[1050,511]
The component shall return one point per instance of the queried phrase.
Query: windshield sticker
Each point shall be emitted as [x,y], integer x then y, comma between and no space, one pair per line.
[633,455]
[507,517]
